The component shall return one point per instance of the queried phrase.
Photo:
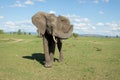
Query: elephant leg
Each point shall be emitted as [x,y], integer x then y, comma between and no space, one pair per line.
[59,45]
[46,51]
[52,49]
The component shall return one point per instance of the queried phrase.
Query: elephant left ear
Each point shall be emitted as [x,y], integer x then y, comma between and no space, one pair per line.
[39,21]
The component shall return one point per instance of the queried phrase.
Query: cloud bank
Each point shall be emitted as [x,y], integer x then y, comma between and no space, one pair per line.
[25,26]
[94,1]
[83,25]
[26,3]
[1,17]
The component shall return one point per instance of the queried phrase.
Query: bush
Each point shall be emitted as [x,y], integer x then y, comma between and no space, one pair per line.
[19,32]
[75,35]
[1,32]
[117,36]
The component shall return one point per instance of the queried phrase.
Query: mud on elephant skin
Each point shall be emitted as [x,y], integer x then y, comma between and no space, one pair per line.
[53,29]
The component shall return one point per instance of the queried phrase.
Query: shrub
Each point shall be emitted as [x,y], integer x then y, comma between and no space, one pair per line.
[75,35]
[19,32]
[1,32]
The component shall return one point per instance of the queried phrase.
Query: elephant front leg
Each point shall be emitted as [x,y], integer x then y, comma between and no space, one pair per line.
[52,50]
[46,52]
[59,45]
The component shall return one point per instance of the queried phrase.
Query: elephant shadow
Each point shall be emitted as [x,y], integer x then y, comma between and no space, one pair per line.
[39,57]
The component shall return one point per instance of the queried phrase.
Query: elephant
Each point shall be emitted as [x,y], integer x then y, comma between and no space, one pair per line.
[53,30]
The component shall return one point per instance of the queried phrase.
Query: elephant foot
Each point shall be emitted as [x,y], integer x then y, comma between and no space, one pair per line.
[48,65]
[60,60]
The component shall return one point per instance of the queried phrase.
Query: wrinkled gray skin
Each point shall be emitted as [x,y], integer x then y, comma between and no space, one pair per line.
[53,29]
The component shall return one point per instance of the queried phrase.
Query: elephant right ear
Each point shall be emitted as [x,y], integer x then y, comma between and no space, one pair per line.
[39,21]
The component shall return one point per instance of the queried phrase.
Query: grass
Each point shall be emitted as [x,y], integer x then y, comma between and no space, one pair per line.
[86,58]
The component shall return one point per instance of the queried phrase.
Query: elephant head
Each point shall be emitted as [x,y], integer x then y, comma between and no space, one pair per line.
[57,26]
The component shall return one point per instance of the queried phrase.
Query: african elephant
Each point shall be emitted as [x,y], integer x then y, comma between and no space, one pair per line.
[53,29]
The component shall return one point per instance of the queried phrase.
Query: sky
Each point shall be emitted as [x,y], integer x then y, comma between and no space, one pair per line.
[87,16]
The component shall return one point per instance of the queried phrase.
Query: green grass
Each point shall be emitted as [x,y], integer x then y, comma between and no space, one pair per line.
[86,58]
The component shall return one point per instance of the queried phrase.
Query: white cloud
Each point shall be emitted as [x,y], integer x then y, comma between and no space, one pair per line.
[100,24]
[77,19]
[115,26]
[25,25]
[106,1]
[82,1]
[109,28]
[101,12]
[52,12]
[84,25]
[10,24]
[93,1]
[85,20]
[96,1]
[1,17]
[81,24]
[81,20]
[93,27]
[17,4]
[41,0]
[29,2]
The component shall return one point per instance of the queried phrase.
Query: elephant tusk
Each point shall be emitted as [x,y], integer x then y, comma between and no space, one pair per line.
[39,34]
[54,39]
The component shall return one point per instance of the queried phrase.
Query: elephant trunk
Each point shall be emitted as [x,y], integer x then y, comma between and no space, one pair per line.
[50,31]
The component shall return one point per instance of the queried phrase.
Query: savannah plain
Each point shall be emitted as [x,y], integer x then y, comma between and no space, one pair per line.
[85,58]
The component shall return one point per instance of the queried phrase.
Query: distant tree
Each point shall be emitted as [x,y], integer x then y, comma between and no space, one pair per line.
[29,33]
[1,31]
[75,35]
[106,36]
[19,32]
[25,33]
[14,32]
[117,36]
[11,33]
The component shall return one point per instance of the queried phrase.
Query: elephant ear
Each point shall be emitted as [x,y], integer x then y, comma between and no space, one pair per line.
[39,20]
[64,28]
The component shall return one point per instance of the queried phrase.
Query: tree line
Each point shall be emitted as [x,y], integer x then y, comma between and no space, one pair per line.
[19,32]
[1,31]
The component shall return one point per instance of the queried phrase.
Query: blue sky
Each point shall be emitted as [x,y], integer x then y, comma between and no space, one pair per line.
[87,16]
